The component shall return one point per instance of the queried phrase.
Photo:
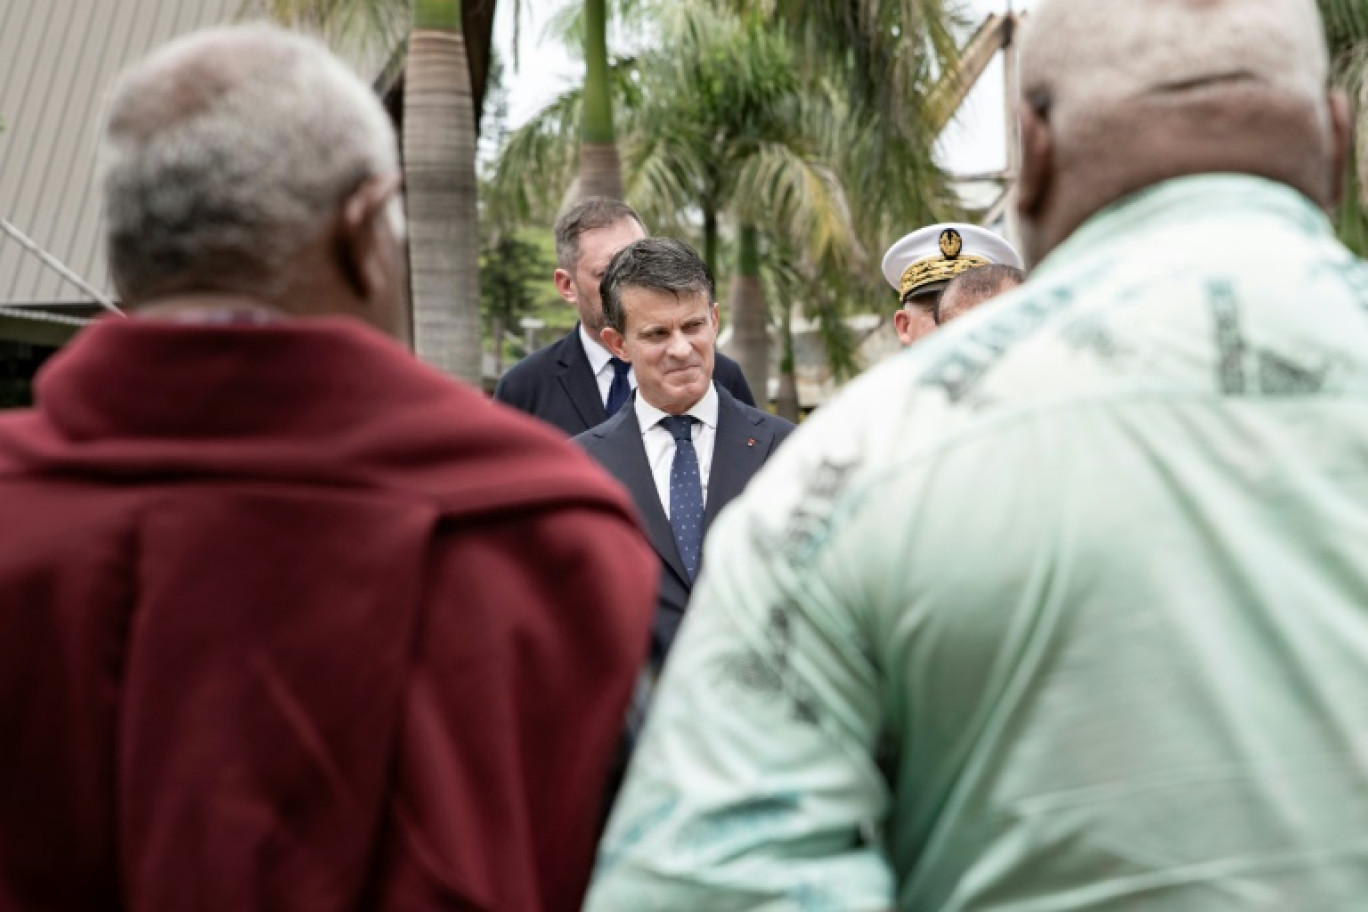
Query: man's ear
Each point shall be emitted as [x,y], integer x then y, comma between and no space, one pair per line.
[565,285]
[613,341]
[902,324]
[1037,164]
[1342,137]
[363,238]
[716,317]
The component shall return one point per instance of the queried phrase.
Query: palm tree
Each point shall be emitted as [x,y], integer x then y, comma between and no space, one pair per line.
[880,61]
[1346,26]
[728,130]
[439,129]
[443,87]
[600,168]
[884,57]
[1346,23]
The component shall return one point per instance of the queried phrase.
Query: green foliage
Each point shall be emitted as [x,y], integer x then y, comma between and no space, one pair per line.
[540,160]
[882,57]
[530,269]
[1346,26]
[437,14]
[515,271]
[1346,23]
[368,25]
[826,303]
[516,264]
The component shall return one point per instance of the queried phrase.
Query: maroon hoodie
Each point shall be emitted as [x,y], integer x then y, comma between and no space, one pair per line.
[291,621]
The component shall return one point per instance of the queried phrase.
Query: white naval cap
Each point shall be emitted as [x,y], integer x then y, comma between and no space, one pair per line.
[930,257]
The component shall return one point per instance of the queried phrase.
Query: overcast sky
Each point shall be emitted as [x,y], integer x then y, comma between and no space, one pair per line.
[972,144]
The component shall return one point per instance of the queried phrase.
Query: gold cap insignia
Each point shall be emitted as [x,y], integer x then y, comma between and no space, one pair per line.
[951,243]
[935,269]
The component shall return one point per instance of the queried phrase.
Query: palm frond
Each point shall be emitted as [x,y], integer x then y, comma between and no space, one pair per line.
[802,198]
[537,164]
[1346,23]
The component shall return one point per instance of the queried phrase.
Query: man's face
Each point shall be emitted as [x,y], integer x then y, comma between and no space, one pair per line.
[915,319]
[596,249]
[669,341]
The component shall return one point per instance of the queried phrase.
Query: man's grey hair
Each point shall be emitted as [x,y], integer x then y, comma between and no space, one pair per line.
[588,214]
[972,287]
[1081,57]
[658,264]
[226,152]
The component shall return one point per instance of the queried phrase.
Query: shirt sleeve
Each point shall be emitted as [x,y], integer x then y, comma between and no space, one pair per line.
[756,785]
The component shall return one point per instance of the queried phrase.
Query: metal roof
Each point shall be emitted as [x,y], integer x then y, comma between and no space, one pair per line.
[57,59]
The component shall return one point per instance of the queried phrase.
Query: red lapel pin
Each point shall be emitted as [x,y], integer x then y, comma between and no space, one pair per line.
[750,441]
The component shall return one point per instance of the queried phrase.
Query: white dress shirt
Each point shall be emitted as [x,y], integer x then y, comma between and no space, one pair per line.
[660,443]
[600,360]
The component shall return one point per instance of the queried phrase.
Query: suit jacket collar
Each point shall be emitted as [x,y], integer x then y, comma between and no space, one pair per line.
[324,401]
[648,416]
[739,451]
[624,456]
[577,379]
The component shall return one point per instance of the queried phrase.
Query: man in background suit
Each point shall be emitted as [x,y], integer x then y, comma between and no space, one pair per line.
[576,383]
[684,447]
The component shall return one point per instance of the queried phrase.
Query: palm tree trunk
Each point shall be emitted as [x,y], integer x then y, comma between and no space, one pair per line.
[600,167]
[439,173]
[748,314]
[710,237]
[786,399]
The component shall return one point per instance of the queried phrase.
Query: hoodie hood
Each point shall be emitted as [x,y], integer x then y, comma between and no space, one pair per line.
[325,401]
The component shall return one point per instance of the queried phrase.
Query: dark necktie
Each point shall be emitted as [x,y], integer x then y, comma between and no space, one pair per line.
[621,390]
[686,493]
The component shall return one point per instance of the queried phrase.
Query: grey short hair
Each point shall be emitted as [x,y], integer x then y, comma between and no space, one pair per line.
[974,286]
[1082,57]
[223,155]
[589,214]
[660,264]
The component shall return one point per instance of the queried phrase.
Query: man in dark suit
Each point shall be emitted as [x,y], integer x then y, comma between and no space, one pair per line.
[684,447]
[576,383]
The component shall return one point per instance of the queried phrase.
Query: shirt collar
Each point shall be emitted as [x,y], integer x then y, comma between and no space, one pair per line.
[1180,201]
[593,349]
[705,410]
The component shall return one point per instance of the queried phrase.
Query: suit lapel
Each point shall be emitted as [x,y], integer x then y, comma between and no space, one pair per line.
[624,456]
[577,379]
[738,453]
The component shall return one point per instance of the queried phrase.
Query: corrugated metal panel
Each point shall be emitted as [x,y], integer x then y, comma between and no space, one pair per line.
[57,60]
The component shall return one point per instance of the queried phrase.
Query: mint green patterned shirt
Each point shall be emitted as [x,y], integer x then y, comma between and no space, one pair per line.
[1065,608]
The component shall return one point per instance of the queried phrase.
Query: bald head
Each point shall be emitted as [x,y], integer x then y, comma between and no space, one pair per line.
[1122,94]
[229,159]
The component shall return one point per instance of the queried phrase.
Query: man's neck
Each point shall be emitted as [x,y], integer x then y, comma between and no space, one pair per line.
[595,334]
[206,307]
[591,338]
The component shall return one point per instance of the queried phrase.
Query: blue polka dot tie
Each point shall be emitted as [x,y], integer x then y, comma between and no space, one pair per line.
[621,390]
[686,493]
